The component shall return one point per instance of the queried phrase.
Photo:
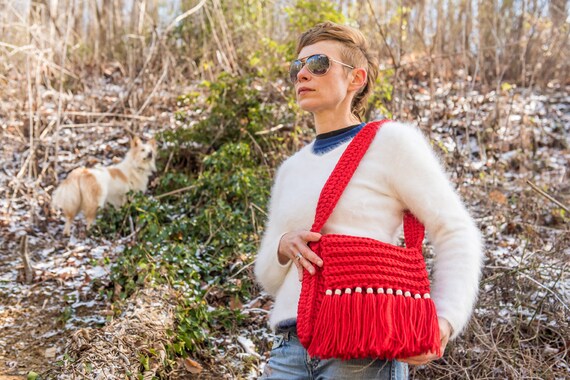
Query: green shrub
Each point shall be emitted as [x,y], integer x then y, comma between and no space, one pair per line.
[204,228]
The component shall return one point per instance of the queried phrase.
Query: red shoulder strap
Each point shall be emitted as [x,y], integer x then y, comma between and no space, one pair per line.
[340,177]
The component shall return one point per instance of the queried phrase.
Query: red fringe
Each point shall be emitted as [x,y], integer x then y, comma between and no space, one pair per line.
[381,322]
[388,345]
[357,322]
[368,337]
[346,321]
[323,326]
[377,325]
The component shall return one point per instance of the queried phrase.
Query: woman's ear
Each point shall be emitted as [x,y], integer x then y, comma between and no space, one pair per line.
[359,79]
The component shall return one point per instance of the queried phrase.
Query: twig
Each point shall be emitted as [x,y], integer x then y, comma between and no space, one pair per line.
[383,35]
[183,16]
[132,234]
[149,98]
[242,269]
[170,156]
[271,130]
[117,115]
[546,195]
[547,289]
[18,183]
[175,191]
[255,143]
[30,113]
[258,208]
[133,229]
[86,125]
[28,270]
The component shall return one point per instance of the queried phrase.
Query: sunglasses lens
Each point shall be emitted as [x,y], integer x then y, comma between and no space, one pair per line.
[296,66]
[318,64]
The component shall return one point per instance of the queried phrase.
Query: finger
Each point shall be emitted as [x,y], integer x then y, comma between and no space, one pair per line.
[411,361]
[417,358]
[308,236]
[307,265]
[299,271]
[309,255]
[414,362]
[420,359]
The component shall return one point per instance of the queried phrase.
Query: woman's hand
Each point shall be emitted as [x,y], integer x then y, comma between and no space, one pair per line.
[293,246]
[444,333]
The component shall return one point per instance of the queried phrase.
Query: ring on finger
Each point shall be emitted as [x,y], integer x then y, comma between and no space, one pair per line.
[298,256]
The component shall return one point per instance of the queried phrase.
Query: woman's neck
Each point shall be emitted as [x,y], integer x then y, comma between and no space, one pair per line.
[328,122]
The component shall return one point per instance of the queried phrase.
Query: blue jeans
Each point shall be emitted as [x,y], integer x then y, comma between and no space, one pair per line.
[290,360]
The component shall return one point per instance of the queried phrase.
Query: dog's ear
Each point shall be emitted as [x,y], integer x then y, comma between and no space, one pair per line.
[152,142]
[135,141]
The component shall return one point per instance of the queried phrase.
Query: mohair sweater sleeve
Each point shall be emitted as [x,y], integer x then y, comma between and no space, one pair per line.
[269,272]
[419,181]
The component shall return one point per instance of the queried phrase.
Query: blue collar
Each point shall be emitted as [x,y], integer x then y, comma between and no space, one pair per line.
[328,141]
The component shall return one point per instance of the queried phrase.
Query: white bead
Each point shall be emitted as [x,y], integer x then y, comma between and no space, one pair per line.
[407,294]
[338,292]
[380,291]
[399,292]
[418,296]
[369,290]
[427,296]
[358,290]
[389,291]
[328,292]
[347,291]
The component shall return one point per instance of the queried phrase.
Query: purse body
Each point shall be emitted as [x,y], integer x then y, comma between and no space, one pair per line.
[370,299]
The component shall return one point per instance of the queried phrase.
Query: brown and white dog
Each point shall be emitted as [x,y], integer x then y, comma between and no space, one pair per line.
[87,189]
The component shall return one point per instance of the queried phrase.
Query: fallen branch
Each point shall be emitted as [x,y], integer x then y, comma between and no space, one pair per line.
[183,16]
[95,114]
[28,270]
[175,191]
[546,195]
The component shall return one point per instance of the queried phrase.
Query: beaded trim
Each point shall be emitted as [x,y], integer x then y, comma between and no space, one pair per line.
[398,292]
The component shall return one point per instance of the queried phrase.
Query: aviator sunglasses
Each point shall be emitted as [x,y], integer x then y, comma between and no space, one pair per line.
[317,64]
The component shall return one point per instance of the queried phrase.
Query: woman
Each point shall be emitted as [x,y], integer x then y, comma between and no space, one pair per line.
[333,77]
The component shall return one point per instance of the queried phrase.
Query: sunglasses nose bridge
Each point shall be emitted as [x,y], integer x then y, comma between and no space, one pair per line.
[303,73]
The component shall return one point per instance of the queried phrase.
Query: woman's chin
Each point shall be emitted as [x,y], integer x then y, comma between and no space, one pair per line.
[308,105]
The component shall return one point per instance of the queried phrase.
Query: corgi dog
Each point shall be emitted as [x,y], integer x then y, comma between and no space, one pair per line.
[88,189]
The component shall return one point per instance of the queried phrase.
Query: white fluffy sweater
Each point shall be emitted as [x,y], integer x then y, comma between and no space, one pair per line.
[399,171]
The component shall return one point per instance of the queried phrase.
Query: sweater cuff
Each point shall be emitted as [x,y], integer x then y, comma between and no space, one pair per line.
[288,263]
[270,273]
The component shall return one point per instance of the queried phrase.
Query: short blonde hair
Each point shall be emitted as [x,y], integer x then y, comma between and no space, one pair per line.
[354,52]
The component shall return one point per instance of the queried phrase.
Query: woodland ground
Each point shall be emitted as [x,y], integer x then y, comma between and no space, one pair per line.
[506,152]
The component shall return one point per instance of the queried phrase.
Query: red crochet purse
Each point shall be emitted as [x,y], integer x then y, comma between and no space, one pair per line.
[370,299]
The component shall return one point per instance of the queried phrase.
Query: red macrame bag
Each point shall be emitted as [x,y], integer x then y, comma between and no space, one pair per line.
[370,299]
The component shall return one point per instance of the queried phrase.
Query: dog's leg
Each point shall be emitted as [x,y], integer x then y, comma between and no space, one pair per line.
[91,195]
[67,228]
[69,217]
[90,213]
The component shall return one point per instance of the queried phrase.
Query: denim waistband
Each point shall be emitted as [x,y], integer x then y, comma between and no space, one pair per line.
[287,327]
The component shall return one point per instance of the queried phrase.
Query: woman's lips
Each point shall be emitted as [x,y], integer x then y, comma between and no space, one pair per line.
[303,90]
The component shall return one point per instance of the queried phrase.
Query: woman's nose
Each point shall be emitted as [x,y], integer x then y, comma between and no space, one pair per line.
[303,74]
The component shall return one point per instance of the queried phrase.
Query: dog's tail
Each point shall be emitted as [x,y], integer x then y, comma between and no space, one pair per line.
[67,196]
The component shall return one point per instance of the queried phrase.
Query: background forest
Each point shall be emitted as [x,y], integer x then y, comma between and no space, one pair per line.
[163,287]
